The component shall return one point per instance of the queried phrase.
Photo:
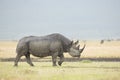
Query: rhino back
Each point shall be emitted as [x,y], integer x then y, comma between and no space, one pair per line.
[66,43]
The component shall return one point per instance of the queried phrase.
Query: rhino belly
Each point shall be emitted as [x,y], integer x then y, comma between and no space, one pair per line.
[39,53]
[39,50]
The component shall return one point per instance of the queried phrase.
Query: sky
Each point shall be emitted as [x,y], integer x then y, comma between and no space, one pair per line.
[75,19]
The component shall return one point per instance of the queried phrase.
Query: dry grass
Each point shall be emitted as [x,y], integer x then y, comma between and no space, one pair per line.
[107,50]
[7,49]
[93,49]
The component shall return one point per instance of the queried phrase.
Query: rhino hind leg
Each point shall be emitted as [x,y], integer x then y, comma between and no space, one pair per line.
[28,59]
[17,59]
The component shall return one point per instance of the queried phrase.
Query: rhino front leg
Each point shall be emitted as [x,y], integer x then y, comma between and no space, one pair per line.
[54,58]
[61,59]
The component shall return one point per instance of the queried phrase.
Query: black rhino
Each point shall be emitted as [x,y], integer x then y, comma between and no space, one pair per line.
[50,45]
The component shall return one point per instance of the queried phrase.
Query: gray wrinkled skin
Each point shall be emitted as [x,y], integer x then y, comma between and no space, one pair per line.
[51,45]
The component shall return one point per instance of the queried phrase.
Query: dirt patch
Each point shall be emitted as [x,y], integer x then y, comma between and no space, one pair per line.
[66,59]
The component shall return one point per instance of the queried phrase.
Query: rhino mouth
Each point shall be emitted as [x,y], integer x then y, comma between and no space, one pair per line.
[74,52]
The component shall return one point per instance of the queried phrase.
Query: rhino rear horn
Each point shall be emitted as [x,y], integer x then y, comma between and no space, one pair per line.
[78,47]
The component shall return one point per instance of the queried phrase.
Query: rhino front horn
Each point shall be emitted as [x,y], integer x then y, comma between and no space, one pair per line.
[81,50]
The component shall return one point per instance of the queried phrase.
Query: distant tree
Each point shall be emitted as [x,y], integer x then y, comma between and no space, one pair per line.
[102,41]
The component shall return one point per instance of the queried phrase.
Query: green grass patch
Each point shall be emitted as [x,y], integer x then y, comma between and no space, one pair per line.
[86,61]
[68,71]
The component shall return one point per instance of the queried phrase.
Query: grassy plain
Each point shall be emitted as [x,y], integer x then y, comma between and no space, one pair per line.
[69,71]
[84,70]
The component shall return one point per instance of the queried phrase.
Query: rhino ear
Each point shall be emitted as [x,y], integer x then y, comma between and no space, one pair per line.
[76,42]
[71,42]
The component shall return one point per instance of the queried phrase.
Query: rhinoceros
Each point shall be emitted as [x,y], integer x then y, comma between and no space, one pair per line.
[50,45]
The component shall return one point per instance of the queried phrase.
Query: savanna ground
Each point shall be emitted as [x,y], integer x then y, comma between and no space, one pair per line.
[97,62]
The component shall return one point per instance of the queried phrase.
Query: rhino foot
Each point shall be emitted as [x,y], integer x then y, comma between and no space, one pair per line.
[59,63]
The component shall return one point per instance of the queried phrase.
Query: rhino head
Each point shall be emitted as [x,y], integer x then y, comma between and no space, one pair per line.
[75,50]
